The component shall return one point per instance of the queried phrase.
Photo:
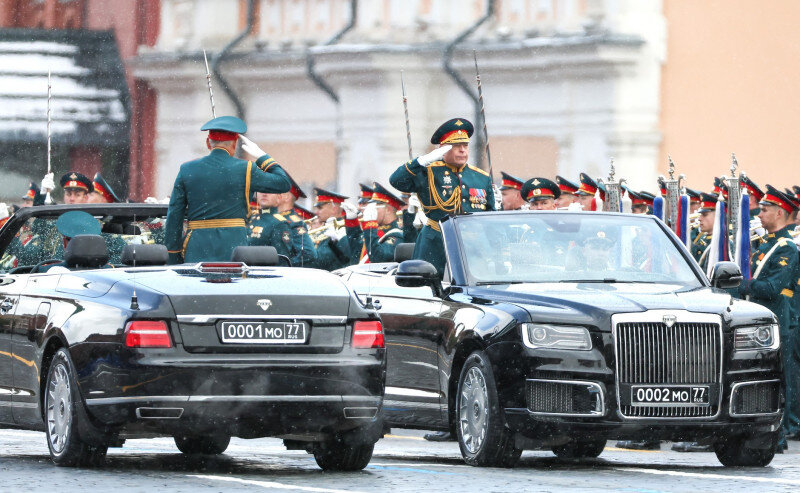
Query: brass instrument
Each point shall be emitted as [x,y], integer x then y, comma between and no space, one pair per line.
[337,223]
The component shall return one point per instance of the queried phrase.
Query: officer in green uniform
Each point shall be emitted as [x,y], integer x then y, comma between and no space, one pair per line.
[587,191]
[774,268]
[69,225]
[213,193]
[755,194]
[268,228]
[103,193]
[568,191]
[701,244]
[379,232]
[446,185]
[33,196]
[301,241]
[332,245]
[510,187]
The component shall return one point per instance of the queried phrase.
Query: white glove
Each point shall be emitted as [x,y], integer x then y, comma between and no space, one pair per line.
[330,229]
[3,210]
[755,227]
[165,200]
[370,212]
[420,220]
[433,156]
[350,210]
[575,206]
[414,204]
[250,147]
[498,197]
[48,185]
[151,200]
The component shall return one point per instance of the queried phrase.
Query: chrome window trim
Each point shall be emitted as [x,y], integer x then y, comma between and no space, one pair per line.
[592,414]
[682,316]
[736,386]
[203,319]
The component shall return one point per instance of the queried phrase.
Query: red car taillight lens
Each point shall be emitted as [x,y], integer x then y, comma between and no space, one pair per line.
[368,334]
[147,333]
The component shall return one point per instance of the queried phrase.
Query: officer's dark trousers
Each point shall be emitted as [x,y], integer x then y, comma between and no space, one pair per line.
[430,247]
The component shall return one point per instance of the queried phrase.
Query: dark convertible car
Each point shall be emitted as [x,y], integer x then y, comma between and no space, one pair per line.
[98,351]
[559,330]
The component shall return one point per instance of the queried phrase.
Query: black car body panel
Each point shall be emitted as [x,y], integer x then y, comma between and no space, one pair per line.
[428,339]
[200,384]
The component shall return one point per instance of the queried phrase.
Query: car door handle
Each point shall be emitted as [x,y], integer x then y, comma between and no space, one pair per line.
[6,306]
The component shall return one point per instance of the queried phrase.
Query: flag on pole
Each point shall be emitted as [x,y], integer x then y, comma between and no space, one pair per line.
[742,256]
[683,220]
[718,249]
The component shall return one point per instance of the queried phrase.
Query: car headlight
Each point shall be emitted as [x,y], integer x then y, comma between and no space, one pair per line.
[756,337]
[540,336]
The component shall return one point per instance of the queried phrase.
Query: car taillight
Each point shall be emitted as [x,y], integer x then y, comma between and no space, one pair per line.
[367,334]
[147,333]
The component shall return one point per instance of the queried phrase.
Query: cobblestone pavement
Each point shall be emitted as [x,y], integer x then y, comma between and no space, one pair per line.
[402,462]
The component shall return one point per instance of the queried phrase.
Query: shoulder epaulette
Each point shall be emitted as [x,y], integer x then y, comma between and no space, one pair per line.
[279,217]
[473,168]
[295,218]
[437,164]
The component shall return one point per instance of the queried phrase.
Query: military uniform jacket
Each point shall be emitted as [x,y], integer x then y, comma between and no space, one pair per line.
[333,254]
[444,190]
[305,252]
[213,194]
[268,228]
[376,242]
[700,245]
[774,285]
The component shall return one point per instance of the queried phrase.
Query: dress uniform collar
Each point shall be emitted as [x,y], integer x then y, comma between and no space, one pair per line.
[454,167]
[221,150]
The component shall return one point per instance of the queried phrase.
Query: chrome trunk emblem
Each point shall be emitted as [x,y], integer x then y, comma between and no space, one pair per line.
[669,320]
[264,304]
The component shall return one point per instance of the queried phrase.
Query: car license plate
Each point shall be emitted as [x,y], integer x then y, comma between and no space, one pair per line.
[252,332]
[665,395]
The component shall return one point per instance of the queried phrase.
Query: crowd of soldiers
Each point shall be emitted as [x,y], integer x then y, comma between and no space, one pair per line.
[219,202]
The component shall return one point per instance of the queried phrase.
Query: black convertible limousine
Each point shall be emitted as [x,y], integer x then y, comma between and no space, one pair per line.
[97,351]
[559,330]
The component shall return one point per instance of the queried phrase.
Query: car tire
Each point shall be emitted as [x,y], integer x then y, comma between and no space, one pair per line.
[482,434]
[335,455]
[64,417]
[580,449]
[204,445]
[733,452]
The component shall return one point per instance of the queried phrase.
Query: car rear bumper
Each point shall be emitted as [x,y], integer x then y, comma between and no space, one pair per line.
[242,395]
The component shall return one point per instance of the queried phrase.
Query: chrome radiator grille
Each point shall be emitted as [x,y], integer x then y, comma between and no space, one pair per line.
[651,353]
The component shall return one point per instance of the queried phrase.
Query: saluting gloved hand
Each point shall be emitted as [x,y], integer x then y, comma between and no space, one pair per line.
[370,212]
[48,185]
[251,148]
[330,229]
[350,210]
[414,204]
[433,156]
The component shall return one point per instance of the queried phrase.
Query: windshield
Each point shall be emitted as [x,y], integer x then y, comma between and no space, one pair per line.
[564,247]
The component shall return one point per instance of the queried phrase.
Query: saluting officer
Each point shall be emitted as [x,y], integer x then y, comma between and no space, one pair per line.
[379,232]
[446,185]
[774,270]
[510,189]
[333,246]
[213,193]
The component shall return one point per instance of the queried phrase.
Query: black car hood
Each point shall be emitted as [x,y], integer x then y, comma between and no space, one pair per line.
[593,304]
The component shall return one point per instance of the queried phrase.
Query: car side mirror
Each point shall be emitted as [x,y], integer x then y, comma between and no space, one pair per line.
[726,275]
[418,273]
